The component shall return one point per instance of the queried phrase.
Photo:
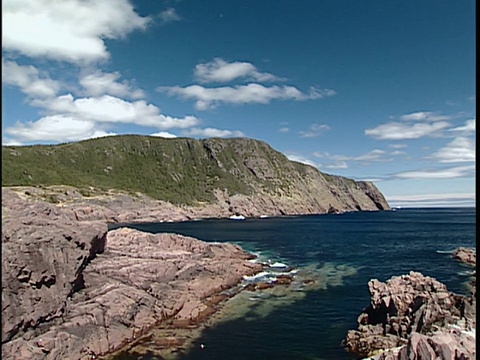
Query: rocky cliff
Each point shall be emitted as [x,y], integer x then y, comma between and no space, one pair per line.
[212,177]
[415,317]
[70,290]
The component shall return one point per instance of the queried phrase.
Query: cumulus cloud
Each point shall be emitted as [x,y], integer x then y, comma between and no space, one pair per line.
[68,30]
[468,127]
[169,15]
[164,134]
[29,80]
[461,149]
[212,132]
[206,98]
[314,130]
[219,70]
[403,131]
[445,173]
[98,83]
[111,109]
[424,116]
[56,128]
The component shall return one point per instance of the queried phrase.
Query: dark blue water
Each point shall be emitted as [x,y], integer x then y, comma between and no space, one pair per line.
[377,244]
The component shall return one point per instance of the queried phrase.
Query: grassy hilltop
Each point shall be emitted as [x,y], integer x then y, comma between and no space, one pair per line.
[179,170]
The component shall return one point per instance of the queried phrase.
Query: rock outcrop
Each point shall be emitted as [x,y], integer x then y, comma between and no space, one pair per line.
[466,255]
[44,254]
[70,290]
[415,317]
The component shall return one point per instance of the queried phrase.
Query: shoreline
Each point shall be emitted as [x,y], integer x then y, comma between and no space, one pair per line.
[84,235]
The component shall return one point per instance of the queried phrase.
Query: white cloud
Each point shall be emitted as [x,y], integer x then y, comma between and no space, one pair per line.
[402,131]
[6,141]
[28,79]
[300,159]
[461,149]
[398,146]
[242,94]
[56,128]
[114,110]
[212,132]
[99,83]
[424,116]
[314,130]
[335,165]
[468,127]
[284,130]
[376,155]
[397,152]
[70,30]
[169,15]
[164,134]
[219,70]
[447,173]
[432,200]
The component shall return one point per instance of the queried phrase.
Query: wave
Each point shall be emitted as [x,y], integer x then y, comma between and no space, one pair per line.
[278,265]
[256,276]
[445,251]
[467,273]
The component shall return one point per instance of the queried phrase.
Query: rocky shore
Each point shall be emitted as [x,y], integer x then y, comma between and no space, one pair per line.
[72,290]
[415,317]
[115,206]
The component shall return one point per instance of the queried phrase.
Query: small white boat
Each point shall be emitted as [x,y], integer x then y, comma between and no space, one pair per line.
[237,217]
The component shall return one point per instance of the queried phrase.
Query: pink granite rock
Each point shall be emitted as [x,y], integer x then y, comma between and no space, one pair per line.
[413,312]
[70,290]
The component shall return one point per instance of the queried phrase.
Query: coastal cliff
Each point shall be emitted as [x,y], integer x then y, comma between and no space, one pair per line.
[72,290]
[199,178]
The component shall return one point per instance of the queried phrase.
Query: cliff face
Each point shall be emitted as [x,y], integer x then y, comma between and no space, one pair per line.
[70,290]
[221,176]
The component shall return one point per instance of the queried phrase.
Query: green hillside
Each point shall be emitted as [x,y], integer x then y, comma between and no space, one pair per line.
[180,170]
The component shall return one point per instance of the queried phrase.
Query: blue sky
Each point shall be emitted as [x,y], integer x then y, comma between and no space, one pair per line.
[368,89]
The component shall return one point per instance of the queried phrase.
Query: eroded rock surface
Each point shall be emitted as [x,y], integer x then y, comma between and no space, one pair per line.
[467,256]
[119,207]
[417,317]
[70,290]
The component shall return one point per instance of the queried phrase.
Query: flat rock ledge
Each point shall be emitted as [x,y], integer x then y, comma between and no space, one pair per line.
[72,290]
[415,317]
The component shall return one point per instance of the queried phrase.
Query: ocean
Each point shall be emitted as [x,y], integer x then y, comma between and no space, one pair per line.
[341,252]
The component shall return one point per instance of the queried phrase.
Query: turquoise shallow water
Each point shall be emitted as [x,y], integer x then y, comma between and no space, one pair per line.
[372,244]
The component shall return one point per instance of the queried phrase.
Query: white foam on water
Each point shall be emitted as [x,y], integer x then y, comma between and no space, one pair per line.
[467,273]
[256,276]
[278,265]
